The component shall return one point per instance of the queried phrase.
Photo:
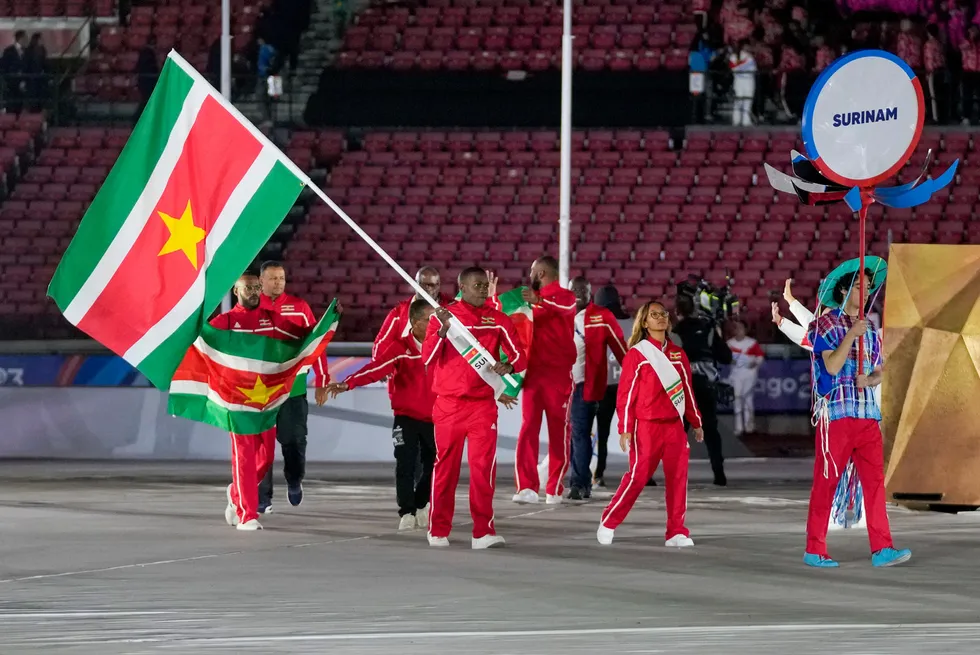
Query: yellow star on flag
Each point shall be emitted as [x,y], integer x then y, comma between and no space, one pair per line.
[184,235]
[259,394]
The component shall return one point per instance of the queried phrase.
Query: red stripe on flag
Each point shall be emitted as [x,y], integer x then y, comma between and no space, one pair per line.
[218,152]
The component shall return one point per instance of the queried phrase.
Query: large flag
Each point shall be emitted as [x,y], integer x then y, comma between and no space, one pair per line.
[195,194]
[237,381]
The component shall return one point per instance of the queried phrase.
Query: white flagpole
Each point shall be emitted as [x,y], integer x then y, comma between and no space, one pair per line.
[565,188]
[226,84]
[398,269]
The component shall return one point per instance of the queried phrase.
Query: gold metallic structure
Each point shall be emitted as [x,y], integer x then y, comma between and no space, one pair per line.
[931,388]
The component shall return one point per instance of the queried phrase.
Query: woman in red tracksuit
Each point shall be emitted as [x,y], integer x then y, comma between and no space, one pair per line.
[649,405]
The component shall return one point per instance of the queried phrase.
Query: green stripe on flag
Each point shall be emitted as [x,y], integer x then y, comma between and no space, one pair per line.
[160,364]
[199,408]
[262,215]
[259,347]
[124,184]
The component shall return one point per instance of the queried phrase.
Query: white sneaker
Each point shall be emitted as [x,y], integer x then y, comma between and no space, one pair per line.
[553,500]
[231,513]
[438,542]
[679,541]
[250,526]
[604,535]
[526,497]
[422,518]
[406,522]
[487,541]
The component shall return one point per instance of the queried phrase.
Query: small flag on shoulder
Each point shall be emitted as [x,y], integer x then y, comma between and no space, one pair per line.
[237,381]
[194,196]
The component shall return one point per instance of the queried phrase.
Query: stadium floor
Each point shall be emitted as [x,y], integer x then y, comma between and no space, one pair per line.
[133,558]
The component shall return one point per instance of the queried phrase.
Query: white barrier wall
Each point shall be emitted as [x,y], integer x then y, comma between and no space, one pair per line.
[132,423]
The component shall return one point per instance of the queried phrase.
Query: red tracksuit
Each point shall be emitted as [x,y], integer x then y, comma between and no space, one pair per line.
[399,360]
[397,325]
[601,331]
[252,454]
[548,389]
[646,412]
[465,410]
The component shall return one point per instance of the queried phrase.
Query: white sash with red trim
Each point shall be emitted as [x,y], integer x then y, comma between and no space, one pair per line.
[668,375]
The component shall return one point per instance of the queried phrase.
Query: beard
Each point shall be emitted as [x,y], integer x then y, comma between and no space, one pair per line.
[536,285]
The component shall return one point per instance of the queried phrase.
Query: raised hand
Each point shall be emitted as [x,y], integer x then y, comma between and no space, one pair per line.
[788,291]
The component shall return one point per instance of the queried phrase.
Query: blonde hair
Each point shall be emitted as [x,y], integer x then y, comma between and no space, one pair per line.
[639,323]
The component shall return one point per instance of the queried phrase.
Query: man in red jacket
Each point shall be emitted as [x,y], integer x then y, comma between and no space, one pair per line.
[400,360]
[547,385]
[282,316]
[397,324]
[251,454]
[655,397]
[596,329]
[465,409]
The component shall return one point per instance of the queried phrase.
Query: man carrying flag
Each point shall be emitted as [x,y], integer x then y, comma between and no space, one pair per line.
[596,330]
[548,384]
[397,324]
[400,360]
[465,409]
[282,316]
[251,454]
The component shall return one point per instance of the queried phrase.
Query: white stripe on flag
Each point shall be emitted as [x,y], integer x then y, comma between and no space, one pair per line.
[123,242]
[256,366]
[191,388]
[191,302]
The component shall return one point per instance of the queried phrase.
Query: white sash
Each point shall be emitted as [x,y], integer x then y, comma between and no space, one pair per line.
[668,375]
[481,360]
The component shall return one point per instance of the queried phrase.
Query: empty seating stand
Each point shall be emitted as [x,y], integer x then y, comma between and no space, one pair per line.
[646,212]
[519,35]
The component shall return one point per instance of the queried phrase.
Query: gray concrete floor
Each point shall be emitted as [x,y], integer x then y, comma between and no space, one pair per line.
[98,558]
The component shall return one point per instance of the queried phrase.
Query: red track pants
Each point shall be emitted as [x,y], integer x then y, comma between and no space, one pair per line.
[543,393]
[654,441]
[251,459]
[473,422]
[848,438]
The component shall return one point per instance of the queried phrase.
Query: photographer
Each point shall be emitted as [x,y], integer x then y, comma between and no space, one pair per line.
[701,338]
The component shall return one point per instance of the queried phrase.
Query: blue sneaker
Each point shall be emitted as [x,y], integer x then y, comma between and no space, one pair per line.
[265,508]
[819,561]
[890,557]
[295,494]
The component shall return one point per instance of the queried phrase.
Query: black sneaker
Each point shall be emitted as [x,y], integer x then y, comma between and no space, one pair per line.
[576,494]
[295,494]
[599,482]
[651,482]
[721,480]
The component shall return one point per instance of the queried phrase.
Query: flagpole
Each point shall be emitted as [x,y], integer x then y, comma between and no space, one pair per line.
[226,84]
[420,292]
[565,188]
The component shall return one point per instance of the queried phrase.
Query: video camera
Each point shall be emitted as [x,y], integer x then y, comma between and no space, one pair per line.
[718,304]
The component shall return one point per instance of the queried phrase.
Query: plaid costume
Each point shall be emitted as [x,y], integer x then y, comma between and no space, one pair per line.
[847,428]
[840,392]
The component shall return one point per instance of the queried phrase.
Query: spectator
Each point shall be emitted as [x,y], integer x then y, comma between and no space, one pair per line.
[744,70]
[794,82]
[971,72]
[12,72]
[147,72]
[825,54]
[35,70]
[739,28]
[936,75]
[765,62]
[908,46]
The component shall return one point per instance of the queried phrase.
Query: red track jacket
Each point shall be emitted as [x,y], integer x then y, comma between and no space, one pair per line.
[286,317]
[642,395]
[452,376]
[553,341]
[601,330]
[396,324]
[409,387]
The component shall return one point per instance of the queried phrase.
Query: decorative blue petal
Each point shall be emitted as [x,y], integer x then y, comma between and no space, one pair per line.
[900,199]
[853,199]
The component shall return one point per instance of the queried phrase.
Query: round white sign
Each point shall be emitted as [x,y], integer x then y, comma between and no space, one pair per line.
[863,118]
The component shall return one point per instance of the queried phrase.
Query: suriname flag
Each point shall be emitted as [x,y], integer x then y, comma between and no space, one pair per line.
[195,194]
[237,381]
